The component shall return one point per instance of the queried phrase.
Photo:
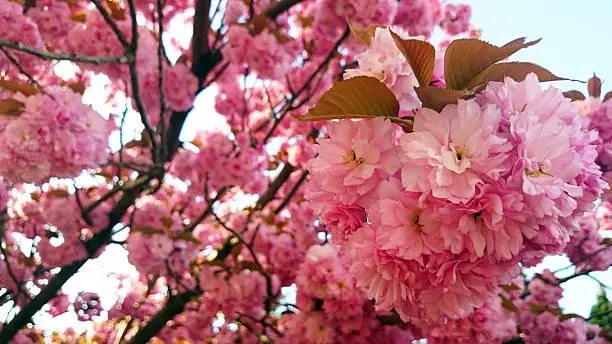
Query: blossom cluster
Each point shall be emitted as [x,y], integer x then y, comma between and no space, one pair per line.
[331,308]
[538,315]
[56,135]
[221,161]
[434,219]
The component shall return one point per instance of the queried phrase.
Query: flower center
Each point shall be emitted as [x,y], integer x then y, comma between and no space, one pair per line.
[462,152]
[413,220]
[351,156]
[538,173]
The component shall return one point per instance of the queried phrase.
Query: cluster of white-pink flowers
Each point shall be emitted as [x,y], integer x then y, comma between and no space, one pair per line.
[434,219]
[56,135]
[15,26]
[332,309]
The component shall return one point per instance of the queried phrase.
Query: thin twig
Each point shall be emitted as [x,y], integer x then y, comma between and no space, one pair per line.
[161,129]
[600,314]
[280,7]
[131,52]
[63,57]
[292,192]
[320,68]
[282,177]
[21,70]
[111,22]
[208,210]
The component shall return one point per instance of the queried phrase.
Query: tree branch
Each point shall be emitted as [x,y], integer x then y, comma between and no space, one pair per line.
[205,60]
[282,177]
[319,69]
[294,189]
[279,7]
[111,22]
[199,44]
[62,57]
[174,306]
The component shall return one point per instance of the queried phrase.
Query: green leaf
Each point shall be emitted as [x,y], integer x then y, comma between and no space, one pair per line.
[147,230]
[509,305]
[594,86]
[420,55]
[437,98]
[466,58]
[186,236]
[539,309]
[358,97]
[574,95]
[11,107]
[516,70]
[364,36]
[510,287]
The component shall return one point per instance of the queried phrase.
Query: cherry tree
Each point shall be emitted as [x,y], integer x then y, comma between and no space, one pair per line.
[356,182]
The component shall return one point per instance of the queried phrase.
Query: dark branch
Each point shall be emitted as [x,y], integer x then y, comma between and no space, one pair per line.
[319,69]
[200,46]
[279,7]
[282,177]
[294,189]
[20,68]
[111,22]
[64,57]
[209,209]
[174,306]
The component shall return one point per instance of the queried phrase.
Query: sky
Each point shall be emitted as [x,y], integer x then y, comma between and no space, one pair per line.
[575,44]
[576,35]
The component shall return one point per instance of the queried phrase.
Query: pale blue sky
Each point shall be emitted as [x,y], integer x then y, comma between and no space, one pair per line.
[576,35]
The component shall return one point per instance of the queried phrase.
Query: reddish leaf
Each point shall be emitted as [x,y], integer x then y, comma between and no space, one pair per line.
[305,21]
[510,287]
[147,230]
[594,86]
[539,309]
[607,96]
[420,55]
[186,236]
[60,193]
[250,266]
[116,10]
[437,98]
[574,95]
[466,58]
[358,97]
[18,86]
[507,304]
[79,17]
[259,23]
[281,37]
[11,107]
[364,36]
[515,70]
